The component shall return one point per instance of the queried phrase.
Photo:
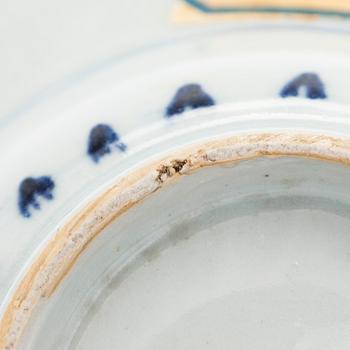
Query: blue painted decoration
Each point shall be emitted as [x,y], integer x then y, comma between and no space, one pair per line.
[30,188]
[189,96]
[312,83]
[101,138]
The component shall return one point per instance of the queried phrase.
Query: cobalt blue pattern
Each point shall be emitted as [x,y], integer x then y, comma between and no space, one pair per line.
[101,138]
[188,96]
[30,188]
[312,83]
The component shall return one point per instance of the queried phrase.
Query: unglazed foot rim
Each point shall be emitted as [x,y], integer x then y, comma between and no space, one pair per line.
[59,255]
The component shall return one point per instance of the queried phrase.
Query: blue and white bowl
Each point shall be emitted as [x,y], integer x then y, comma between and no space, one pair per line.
[192,194]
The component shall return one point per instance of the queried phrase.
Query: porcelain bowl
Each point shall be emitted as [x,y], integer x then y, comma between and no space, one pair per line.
[192,196]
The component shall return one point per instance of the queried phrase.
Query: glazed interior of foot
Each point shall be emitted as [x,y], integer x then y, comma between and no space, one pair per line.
[248,256]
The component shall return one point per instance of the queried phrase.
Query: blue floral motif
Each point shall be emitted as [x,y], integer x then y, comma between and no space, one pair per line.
[32,187]
[190,96]
[101,138]
[312,83]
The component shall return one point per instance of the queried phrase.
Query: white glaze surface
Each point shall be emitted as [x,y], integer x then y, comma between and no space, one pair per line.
[210,261]
[244,76]
[57,130]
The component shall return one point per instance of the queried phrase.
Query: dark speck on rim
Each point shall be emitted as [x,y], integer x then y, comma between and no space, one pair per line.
[312,83]
[190,96]
[32,187]
[101,138]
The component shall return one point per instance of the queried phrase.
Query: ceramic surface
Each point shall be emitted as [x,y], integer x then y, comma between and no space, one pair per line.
[76,161]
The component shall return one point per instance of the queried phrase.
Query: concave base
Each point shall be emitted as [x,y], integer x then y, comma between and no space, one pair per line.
[248,256]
